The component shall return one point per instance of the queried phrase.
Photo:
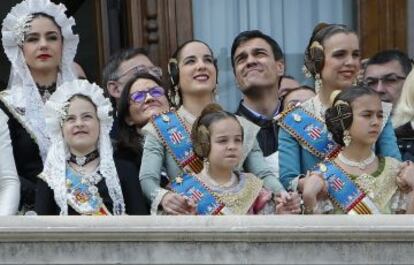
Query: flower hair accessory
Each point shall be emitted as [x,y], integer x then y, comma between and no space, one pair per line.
[316,45]
[64,113]
[21,27]
[306,72]
[54,172]
[341,102]
[22,92]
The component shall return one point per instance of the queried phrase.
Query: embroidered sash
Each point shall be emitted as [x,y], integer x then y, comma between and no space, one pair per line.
[344,192]
[84,197]
[175,137]
[191,187]
[309,131]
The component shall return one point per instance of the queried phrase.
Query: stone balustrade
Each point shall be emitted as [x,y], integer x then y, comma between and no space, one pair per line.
[207,240]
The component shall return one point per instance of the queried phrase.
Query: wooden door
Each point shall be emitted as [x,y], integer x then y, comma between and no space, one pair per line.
[382,24]
[157,25]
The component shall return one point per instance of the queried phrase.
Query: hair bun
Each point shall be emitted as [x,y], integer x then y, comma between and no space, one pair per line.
[211,108]
[319,27]
[334,94]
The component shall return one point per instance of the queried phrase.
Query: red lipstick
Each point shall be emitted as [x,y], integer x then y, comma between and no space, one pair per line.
[44,56]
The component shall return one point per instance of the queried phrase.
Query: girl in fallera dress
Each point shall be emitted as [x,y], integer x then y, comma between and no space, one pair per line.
[79,176]
[218,139]
[355,120]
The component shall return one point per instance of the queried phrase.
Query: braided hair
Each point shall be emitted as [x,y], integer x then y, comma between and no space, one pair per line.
[339,116]
[314,53]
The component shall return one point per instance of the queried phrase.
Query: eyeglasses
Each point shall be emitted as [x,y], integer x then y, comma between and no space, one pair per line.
[140,96]
[139,69]
[388,80]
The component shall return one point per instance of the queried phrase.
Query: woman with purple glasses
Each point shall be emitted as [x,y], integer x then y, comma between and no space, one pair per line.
[142,97]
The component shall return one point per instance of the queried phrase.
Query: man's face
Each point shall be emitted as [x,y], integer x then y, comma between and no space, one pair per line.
[387,79]
[125,72]
[286,84]
[127,68]
[255,66]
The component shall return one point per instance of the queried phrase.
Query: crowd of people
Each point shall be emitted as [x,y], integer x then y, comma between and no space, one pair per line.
[137,146]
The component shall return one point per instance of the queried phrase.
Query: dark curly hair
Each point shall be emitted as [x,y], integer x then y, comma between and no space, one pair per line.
[200,133]
[339,117]
[314,53]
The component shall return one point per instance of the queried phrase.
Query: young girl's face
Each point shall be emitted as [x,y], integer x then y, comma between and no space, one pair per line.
[226,142]
[81,126]
[367,119]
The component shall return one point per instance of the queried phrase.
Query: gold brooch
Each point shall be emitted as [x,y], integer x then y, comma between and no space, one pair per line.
[179,180]
[323,168]
[165,118]
[297,117]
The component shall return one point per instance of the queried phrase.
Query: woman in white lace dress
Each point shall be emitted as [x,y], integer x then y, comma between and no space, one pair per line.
[38,40]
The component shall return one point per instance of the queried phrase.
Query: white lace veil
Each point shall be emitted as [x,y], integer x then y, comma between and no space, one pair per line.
[55,164]
[23,94]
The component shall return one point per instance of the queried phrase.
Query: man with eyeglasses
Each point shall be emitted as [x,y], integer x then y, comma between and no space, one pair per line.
[121,67]
[385,72]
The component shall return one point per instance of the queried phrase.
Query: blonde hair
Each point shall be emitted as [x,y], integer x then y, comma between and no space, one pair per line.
[404,110]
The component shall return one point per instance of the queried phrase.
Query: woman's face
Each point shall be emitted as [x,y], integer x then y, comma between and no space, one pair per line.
[342,60]
[42,46]
[81,127]
[146,98]
[197,73]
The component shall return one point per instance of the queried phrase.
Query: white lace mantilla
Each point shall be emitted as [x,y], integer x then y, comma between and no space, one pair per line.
[24,95]
[54,172]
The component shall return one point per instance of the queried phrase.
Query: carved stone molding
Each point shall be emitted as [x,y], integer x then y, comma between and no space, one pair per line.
[336,239]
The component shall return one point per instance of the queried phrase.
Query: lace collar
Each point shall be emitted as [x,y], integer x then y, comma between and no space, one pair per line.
[46,91]
[314,105]
[186,115]
[209,181]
